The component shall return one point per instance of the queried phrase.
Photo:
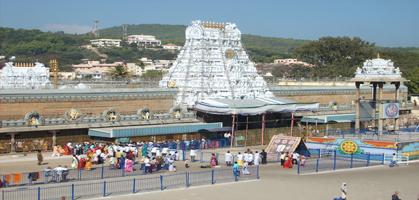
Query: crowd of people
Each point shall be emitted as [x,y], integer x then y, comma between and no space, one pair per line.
[120,156]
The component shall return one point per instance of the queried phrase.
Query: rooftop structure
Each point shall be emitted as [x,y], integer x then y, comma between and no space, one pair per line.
[144,40]
[289,61]
[106,42]
[214,65]
[25,76]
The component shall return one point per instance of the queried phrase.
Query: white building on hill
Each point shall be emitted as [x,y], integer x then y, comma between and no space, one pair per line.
[144,40]
[106,42]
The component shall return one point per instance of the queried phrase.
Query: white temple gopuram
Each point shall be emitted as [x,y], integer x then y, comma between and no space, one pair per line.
[24,76]
[214,65]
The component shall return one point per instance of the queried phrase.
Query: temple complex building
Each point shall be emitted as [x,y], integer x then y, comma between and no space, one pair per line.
[25,76]
[213,64]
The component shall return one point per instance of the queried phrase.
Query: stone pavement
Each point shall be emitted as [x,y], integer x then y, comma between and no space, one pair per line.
[372,183]
[377,182]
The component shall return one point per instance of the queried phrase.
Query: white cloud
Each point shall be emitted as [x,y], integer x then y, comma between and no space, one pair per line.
[67,28]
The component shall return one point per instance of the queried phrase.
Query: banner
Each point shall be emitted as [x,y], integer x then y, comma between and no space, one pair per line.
[391,110]
[282,144]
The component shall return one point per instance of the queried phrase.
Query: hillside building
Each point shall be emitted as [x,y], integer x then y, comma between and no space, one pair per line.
[144,40]
[106,42]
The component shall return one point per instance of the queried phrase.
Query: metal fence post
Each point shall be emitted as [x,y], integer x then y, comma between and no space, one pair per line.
[79,175]
[187,179]
[368,159]
[161,182]
[123,171]
[216,155]
[258,171]
[39,193]
[72,191]
[278,156]
[212,177]
[102,173]
[334,160]
[183,155]
[133,186]
[352,159]
[384,157]
[298,168]
[200,159]
[104,189]
[2,194]
[317,166]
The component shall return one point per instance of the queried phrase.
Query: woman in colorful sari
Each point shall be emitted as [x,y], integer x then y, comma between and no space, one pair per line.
[288,161]
[82,163]
[89,153]
[88,164]
[75,162]
[122,163]
[212,163]
[240,159]
[45,146]
[61,150]
[128,168]
[67,150]
[303,161]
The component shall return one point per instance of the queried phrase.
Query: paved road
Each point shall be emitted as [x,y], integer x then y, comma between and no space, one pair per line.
[373,183]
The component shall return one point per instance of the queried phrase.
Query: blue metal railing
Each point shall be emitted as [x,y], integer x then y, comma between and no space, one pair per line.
[134,185]
[339,161]
[72,175]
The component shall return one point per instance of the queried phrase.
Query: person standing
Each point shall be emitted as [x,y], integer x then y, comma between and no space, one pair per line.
[236,169]
[264,155]
[257,157]
[395,196]
[193,154]
[295,156]
[228,158]
[282,157]
[55,151]
[40,157]
[344,191]
[240,159]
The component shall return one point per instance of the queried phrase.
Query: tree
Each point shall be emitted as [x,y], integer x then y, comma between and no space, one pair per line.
[141,64]
[153,75]
[119,71]
[334,56]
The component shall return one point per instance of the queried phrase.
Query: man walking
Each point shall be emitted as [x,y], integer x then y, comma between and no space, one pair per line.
[394,161]
[40,157]
[193,154]
[395,196]
[228,158]
[344,191]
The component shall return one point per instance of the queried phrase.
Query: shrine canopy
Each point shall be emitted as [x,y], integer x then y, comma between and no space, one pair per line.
[286,144]
[253,106]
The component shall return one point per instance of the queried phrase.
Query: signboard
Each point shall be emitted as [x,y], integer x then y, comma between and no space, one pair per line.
[391,110]
[283,144]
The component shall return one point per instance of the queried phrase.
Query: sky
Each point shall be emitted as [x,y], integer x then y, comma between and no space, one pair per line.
[387,23]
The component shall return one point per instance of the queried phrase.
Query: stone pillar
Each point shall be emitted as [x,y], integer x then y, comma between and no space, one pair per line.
[12,143]
[396,125]
[380,109]
[154,138]
[357,121]
[184,136]
[54,138]
[374,105]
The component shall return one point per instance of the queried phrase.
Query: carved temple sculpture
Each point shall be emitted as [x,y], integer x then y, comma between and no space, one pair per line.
[24,76]
[214,65]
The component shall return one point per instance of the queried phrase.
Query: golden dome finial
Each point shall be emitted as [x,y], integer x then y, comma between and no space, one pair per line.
[203,24]
[216,25]
[378,55]
[206,25]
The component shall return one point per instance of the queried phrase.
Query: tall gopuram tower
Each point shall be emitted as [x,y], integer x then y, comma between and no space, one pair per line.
[214,65]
